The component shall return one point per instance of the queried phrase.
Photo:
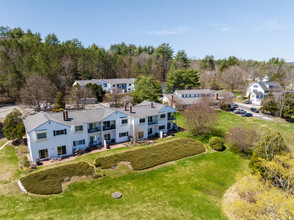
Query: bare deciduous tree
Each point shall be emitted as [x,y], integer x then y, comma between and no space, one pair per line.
[79,95]
[233,77]
[242,138]
[38,92]
[201,117]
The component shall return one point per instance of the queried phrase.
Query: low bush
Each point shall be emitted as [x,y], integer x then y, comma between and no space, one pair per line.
[216,143]
[49,181]
[153,155]
[24,161]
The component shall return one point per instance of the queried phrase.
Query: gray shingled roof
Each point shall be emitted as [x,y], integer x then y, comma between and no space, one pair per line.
[76,117]
[194,91]
[143,109]
[257,93]
[111,81]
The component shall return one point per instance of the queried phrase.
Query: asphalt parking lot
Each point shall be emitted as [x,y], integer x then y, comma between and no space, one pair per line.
[5,110]
[247,107]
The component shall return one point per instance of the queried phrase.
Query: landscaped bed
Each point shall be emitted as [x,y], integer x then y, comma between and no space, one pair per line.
[151,156]
[49,181]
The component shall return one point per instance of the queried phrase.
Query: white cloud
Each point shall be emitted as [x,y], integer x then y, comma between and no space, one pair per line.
[226,29]
[178,30]
[274,24]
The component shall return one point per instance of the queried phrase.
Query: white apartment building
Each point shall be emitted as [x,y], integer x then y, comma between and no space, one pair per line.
[258,90]
[51,135]
[108,85]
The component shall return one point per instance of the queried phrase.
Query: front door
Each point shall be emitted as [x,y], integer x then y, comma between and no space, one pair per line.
[92,139]
[107,137]
[150,131]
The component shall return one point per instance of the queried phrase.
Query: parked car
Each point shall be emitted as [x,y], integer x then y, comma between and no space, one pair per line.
[254,110]
[239,111]
[234,106]
[247,102]
[232,109]
[247,115]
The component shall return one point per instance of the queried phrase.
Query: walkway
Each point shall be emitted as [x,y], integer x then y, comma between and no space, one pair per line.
[4,145]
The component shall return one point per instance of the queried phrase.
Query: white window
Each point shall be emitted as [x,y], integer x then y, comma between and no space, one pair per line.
[162,116]
[124,134]
[130,84]
[79,142]
[79,128]
[142,120]
[124,121]
[59,132]
[162,127]
[41,136]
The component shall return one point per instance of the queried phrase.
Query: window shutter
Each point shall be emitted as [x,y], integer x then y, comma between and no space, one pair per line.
[83,141]
[54,133]
[74,143]
[64,131]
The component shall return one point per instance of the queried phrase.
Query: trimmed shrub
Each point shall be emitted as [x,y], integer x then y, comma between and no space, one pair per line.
[49,181]
[216,143]
[153,155]
[25,161]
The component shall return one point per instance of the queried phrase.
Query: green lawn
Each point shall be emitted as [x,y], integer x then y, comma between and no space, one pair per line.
[189,188]
[227,120]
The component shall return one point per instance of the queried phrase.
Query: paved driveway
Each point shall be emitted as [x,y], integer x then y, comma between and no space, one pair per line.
[247,107]
[5,110]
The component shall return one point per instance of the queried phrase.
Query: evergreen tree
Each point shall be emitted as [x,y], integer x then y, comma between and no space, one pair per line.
[181,79]
[13,127]
[147,88]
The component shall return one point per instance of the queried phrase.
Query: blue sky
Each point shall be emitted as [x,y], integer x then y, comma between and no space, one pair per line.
[248,29]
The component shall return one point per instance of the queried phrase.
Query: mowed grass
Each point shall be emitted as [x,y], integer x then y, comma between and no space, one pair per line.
[227,120]
[190,188]
[49,181]
[8,165]
[143,158]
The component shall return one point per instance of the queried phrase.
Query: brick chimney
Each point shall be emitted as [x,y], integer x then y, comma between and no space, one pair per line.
[130,108]
[171,100]
[151,104]
[216,96]
[125,106]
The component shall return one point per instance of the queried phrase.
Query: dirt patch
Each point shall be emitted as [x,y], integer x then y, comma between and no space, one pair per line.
[74,179]
[230,196]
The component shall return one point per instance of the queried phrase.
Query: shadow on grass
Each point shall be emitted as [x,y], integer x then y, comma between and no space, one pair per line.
[245,155]
[215,132]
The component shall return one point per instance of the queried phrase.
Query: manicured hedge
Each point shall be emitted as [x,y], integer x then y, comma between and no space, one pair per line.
[153,155]
[216,143]
[49,181]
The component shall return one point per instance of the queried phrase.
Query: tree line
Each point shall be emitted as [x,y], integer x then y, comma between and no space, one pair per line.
[24,54]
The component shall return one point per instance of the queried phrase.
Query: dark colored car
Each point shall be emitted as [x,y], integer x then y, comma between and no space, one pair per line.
[254,110]
[234,106]
[247,102]
[239,111]
[232,109]
[247,115]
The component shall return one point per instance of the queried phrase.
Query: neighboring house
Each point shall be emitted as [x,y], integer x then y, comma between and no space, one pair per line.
[186,98]
[108,85]
[51,135]
[258,90]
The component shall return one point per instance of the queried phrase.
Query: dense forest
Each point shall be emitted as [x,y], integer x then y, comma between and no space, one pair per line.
[23,53]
